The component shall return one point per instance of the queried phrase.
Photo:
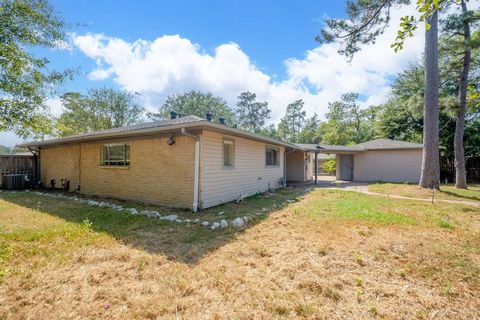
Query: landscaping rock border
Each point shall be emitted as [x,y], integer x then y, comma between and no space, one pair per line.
[236,223]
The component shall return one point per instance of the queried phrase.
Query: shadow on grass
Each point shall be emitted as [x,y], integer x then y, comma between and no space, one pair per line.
[457,195]
[185,242]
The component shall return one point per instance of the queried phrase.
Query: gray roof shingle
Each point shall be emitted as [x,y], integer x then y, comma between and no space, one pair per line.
[377,144]
[119,130]
[326,147]
[388,144]
[157,126]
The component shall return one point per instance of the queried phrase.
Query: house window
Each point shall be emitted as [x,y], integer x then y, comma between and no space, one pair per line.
[115,155]
[228,153]
[272,156]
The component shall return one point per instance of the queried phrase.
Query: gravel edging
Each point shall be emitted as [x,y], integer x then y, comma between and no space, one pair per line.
[238,222]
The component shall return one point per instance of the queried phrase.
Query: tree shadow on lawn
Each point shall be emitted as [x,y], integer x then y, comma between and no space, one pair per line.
[457,195]
[182,242]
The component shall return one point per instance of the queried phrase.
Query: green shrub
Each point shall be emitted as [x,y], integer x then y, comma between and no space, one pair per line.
[330,166]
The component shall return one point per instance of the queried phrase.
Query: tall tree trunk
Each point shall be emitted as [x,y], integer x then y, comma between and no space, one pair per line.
[460,172]
[430,176]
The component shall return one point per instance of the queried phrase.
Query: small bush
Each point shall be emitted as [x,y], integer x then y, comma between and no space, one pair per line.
[330,166]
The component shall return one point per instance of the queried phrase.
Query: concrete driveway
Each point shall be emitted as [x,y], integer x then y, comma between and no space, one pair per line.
[331,183]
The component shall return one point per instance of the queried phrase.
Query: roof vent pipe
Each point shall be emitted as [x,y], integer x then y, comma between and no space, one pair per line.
[209,116]
[173,115]
[221,120]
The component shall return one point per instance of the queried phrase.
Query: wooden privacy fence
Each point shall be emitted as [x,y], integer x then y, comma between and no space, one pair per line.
[16,165]
[447,170]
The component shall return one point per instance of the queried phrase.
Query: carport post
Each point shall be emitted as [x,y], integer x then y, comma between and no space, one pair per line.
[316,166]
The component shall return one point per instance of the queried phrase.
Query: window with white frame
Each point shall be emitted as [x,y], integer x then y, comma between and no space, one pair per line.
[228,153]
[272,156]
[116,154]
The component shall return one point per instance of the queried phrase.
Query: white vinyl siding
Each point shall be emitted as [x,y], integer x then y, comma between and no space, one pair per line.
[248,175]
[296,166]
[388,166]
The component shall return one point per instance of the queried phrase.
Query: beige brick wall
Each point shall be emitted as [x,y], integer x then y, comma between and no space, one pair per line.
[158,173]
[60,162]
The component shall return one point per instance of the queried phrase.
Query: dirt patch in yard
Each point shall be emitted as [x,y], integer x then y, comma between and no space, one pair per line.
[325,257]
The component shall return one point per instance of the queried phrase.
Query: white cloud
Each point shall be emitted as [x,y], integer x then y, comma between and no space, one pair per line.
[172,64]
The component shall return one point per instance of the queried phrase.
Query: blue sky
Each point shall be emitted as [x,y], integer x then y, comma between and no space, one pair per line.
[159,48]
[267,31]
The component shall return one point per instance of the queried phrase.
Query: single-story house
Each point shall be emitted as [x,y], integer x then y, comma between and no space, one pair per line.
[376,160]
[185,162]
[196,163]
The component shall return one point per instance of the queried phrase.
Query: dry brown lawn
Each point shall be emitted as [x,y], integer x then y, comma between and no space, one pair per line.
[333,255]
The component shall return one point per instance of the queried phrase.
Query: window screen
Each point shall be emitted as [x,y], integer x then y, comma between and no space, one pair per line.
[272,156]
[228,153]
[115,155]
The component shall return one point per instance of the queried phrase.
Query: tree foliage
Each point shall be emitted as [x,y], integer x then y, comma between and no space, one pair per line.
[311,130]
[292,123]
[251,114]
[401,116]
[346,122]
[99,109]
[194,103]
[460,44]
[269,131]
[25,80]
[366,21]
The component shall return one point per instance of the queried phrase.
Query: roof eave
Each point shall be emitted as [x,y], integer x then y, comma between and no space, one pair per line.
[393,149]
[108,135]
[193,124]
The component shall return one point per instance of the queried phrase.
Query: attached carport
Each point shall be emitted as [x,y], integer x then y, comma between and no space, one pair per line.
[315,149]
[377,160]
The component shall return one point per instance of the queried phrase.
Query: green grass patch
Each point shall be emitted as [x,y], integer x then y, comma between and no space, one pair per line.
[336,204]
[445,224]
[447,191]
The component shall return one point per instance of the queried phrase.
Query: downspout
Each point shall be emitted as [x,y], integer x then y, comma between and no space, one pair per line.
[197,168]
